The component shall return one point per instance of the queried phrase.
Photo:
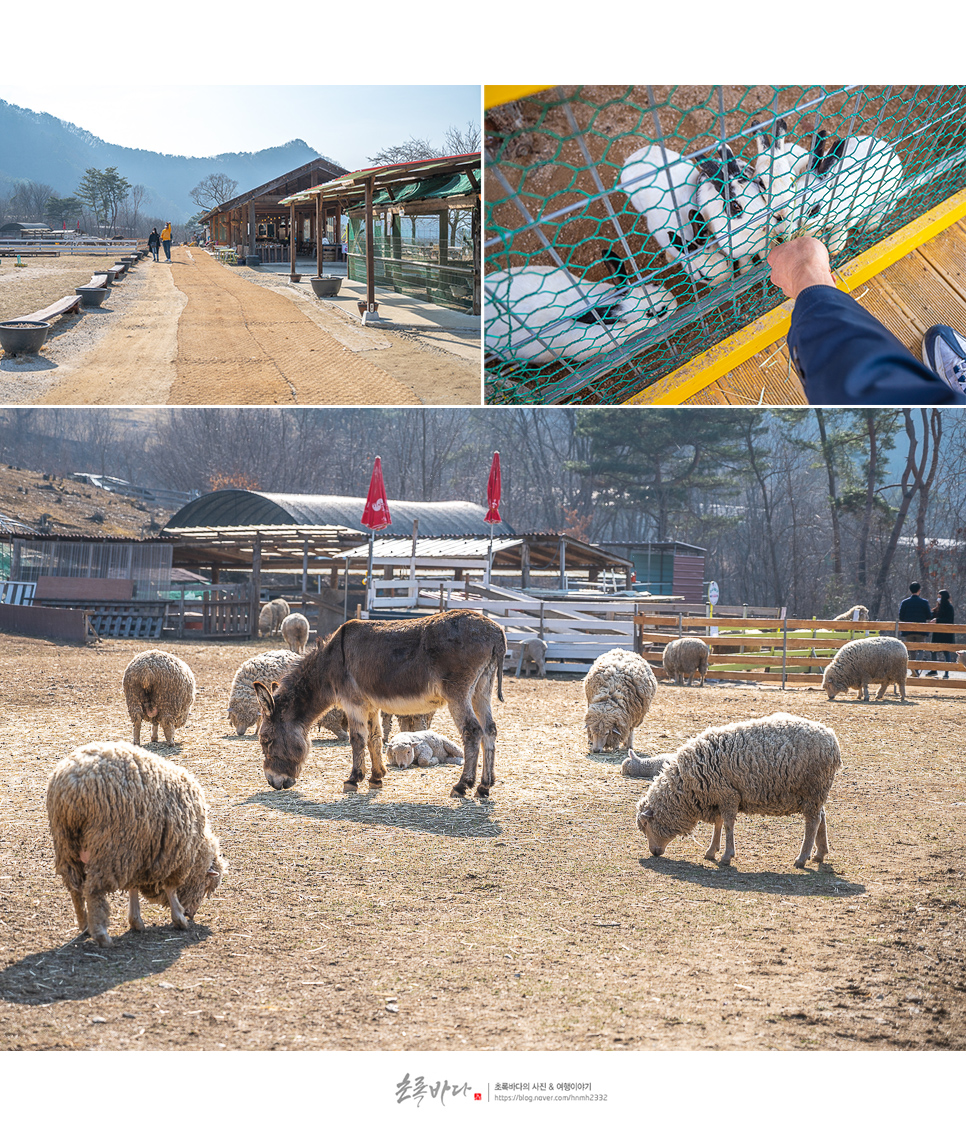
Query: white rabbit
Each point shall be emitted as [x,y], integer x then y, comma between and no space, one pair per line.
[780,165]
[663,186]
[541,313]
[856,183]
[733,204]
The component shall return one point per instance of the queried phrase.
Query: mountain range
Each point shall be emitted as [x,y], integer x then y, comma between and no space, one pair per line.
[39,147]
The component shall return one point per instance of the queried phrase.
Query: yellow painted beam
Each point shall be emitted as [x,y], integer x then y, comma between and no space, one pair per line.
[496,96]
[704,369]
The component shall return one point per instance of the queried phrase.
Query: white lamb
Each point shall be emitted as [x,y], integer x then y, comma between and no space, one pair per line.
[424,747]
[619,689]
[776,766]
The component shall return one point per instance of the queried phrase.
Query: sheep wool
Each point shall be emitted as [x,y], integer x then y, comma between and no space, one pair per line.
[877,659]
[424,747]
[159,688]
[685,658]
[856,612]
[122,818]
[619,689]
[636,767]
[295,632]
[242,704]
[779,765]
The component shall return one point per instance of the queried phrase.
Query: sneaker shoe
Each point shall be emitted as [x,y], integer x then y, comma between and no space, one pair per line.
[944,351]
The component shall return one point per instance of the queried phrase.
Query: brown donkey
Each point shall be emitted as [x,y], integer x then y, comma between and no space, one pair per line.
[406,667]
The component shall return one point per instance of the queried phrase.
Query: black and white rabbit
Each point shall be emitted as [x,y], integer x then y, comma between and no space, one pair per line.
[541,313]
[733,203]
[662,185]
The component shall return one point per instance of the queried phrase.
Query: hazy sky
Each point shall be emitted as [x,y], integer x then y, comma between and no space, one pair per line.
[346,124]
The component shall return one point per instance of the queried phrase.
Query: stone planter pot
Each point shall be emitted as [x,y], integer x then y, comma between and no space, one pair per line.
[23,337]
[325,285]
[295,277]
[91,297]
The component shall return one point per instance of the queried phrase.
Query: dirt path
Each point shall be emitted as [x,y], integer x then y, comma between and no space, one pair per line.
[402,919]
[199,333]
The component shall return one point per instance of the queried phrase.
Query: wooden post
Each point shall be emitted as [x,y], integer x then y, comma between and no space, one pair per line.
[319,230]
[251,228]
[563,564]
[370,252]
[443,238]
[784,651]
[292,240]
[256,586]
[305,568]
[477,286]
[525,565]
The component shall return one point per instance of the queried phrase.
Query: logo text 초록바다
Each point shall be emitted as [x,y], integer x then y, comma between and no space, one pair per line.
[419,1089]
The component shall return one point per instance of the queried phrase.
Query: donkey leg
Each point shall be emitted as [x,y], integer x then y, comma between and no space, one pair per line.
[472,734]
[484,713]
[358,738]
[378,767]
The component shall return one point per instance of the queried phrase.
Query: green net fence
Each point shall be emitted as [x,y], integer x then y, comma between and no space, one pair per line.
[626,228]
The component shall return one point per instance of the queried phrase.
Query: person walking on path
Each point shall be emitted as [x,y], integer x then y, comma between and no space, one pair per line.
[943,613]
[915,610]
[154,242]
[166,241]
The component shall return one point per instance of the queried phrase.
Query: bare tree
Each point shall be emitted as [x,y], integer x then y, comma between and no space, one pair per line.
[214,190]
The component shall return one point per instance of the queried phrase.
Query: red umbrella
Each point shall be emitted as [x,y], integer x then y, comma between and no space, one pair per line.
[493,491]
[376,513]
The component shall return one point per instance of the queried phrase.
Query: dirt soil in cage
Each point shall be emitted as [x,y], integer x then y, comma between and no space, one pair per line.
[404,919]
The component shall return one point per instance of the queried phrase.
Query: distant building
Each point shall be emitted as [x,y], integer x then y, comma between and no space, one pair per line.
[25,229]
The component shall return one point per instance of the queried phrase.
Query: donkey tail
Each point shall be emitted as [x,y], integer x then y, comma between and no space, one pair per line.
[500,655]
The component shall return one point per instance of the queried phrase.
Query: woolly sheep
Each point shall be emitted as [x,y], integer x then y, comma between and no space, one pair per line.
[878,659]
[424,747]
[634,767]
[295,631]
[271,616]
[533,650]
[776,766]
[685,658]
[158,687]
[856,612]
[243,709]
[122,818]
[619,689]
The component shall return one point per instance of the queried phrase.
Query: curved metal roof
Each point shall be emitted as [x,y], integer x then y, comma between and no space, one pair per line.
[248,507]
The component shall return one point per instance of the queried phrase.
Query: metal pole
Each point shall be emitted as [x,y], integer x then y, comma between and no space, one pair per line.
[784,650]
[369,589]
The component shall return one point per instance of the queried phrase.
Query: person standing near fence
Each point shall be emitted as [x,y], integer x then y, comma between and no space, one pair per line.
[154,242]
[166,241]
[915,610]
[943,613]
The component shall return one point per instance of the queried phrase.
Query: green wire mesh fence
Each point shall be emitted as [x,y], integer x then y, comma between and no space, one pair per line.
[627,227]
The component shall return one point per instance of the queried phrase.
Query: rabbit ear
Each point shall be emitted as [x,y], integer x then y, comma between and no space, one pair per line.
[781,129]
[759,137]
[675,238]
[832,157]
[818,149]
[715,175]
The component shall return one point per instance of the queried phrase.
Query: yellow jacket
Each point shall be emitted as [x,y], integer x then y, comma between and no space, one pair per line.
[166,233]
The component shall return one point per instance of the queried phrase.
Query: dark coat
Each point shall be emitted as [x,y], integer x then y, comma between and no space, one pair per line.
[944,614]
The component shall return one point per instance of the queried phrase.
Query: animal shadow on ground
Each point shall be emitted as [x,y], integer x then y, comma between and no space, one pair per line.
[464,817]
[80,969]
[823,881]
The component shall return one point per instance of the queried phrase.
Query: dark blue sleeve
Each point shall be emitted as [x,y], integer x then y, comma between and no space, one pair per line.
[844,356]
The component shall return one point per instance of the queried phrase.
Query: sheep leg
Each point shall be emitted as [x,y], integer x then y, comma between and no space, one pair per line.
[902,686]
[882,691]
[812,822]
[137,730]
[460,707]
[168,732]
[728,814]
[178,917]
[715,841]
[98,917]
[79,909]
[358,739]
[134,911]
[377,766]
[821,839]
[154,731]
[630,739]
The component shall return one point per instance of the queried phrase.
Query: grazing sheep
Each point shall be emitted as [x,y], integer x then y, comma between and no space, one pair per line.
[619,689]
[242,704]
[424,747]
[271,616]
[856,612]
[158,687]
[295,632]
[532,650]
[685,658]
[777,766]
[878,659]
[634,767]
[122,818]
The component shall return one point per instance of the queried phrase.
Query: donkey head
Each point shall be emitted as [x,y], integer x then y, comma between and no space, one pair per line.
[285,743]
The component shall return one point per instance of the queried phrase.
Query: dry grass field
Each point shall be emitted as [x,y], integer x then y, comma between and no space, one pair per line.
[405,919]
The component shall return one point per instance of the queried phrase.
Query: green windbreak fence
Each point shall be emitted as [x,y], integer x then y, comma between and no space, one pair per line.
[627,227]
